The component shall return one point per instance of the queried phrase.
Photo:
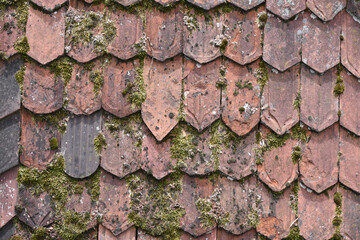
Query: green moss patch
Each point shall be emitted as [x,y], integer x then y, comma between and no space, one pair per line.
[339,87]
[21,45]
[262,75]
[19,76]
[97,78]
[58,119]
[99,143]
[73,224]
[53,143]
[296,154]
[338,218]
[63,68]
[222,81]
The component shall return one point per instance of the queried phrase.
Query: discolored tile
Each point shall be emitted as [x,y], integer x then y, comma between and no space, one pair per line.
[326,10]
[166,2]
[353,7]
[141,235]
[318,166]
[9,192]
[114,204]
[198,39]
[349,169]
[36,135]
[49,5]
[207,236]
[105,234]
[202,97]
[127,2]
[206,4]
[224,235]
[9,88]
[43,91]
[165,33]
[45,34]
[7,231]
[78,145]
[241,98]
[282,42]
[245,43]
[350,214]
[163,82]
[350,45]
[245,4]
[316,213]
[285,9]
[117,76]
[319,105]
[278,98]
[321,44]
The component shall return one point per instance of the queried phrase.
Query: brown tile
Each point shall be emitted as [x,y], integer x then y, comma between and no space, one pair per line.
[105,234]
[245,4]
[245,43]
[326,10]
[241,98]
[206,4]
[285,9]
[123,44]
[114,203]
[163,81]
[318,166]
[316,213]
[166,2]
[321,44]
[80,92]
[319,105]
[279,95]
[202,97]
[224,235]
[349,174]
[207,236]
[117,75]
[127,2]
[165,33]
[141,235]
[350,214]
[350,113]
[36,135]
[45,35]
[9,193]
[198,42]
[43,91]
[350,45]
[353,7]
[282,42]
[49,5]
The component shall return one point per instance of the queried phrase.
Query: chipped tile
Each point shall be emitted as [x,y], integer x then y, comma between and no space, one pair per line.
[350,214]
[105,234]
[353,7]
[126,2]
[165,33]
[9,194]
[279,95]
[7,231]
[163,82]
[43,91]
[36,135]
[117,75]
[246,4]
[241,98]
[78,145]
[282,42]
[318,166]
[245,43]
[224,235]
[49,5]
[10,91]
[45,35]
[206,4]
[166,2]
[319,105]
[285,9]
[326,10]
[202,97]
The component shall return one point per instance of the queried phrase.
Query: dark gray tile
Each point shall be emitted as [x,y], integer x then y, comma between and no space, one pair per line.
[7,231]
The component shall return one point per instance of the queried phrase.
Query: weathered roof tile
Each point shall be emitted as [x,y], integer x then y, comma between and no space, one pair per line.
[353,7]
[127,2]
[7,231]
[206,4]
[350,228]
[245,4]
[285,9]
[49,5]
[326,9]
[224,235]
[105,234]
[9,193]
[166,2]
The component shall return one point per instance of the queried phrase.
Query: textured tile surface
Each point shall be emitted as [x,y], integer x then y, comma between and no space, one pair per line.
[287,8]
[9,193]
[326,9]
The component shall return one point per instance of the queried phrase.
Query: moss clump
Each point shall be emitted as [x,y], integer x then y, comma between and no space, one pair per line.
[294,234]
[222,81]
[253,216]
[40,233]
[99,143]
[54,143]
[261,19]
[62,68]
[21,45]
[338,199]
[294,197]
[97,78]
[297,102]
[339,87]
[262,75]
[93,186]
[22,12]
[299,133]
[191,23]
[246,84]
[19,76]
[3,56]
[58,119]
[72,224]
[296,154]
[241,109]
[338,218]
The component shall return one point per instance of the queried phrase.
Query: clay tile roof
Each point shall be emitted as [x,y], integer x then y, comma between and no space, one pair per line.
[326,10]
[245,4]
[286,9]
[49,5]
[9,194]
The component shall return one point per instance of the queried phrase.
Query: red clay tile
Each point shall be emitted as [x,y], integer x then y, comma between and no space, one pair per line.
[165,33]
[10,91]
[350,214]
[224,235]
[241,98]
[9,192]
[45,35]
[279,95]
[282,42]
[206,4]
[163,89]
[80,91]
[353,7]
[246,4]
[43,92]
[198,42]
[202,97]
[349,174]
[114,203]
[141,235]
[49,5]
[321,44]
[350,45]
[319,105]
[9,31]
[127,2]
[116,77]
[285,9]
[278,170]
[123,44]
[166,2]
[318,166]
[105,234]
[326,10]
[316,213]
[350,113]
[207,236]
[35,141]
[245,43]
[37,211]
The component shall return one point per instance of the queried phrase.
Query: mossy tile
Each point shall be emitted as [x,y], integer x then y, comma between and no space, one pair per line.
[105,234]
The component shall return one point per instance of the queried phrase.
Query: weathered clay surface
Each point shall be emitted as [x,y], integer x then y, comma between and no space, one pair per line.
[105,234]
[206,4]
[224,235]
[49,5]
[166,2]
[127,2]
[326,9]
[7,231]
[246,4]
[286,9]
[9,192]
[350,214]
[353,7]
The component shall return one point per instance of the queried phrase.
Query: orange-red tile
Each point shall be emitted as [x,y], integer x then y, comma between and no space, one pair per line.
[285,9]
[49,5]
[350,214]
[9,193]
[246,4]
[326,10]
[224,235]
[206,4]
[105,234]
